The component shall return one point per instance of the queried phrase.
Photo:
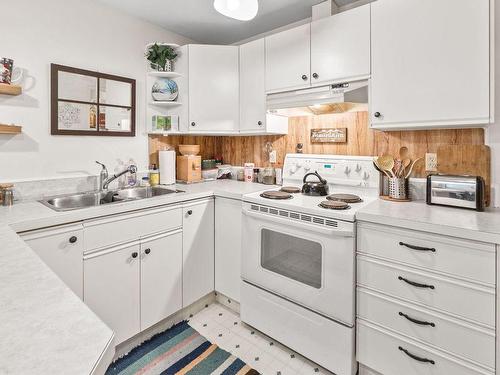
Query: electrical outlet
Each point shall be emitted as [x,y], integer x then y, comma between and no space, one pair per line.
[431,162]
[272,156]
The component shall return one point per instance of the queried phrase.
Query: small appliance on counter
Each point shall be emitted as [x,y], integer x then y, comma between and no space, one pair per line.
[456,191]
[189,168]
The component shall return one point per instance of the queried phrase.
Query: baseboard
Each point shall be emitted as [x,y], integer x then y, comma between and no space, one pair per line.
[231,304]
[165,324]
[366,371]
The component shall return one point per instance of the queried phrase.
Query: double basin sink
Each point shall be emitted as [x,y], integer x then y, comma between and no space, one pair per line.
[99,198]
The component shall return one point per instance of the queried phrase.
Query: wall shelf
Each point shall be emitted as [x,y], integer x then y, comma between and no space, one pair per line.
[10,129]
[165,104]
[165,74]
[10,89]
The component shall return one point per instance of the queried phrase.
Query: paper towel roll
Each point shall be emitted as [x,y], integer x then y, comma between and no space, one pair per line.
[167,167]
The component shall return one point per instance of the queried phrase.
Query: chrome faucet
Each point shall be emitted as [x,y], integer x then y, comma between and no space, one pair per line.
[105,180]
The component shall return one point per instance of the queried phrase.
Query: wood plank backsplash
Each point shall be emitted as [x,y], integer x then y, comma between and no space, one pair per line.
[361,141]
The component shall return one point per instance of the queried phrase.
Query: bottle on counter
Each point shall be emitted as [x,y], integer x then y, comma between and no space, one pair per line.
[249,172]
[131,177]
[154,175]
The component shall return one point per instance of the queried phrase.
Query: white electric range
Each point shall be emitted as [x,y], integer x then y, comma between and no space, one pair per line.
[298,258]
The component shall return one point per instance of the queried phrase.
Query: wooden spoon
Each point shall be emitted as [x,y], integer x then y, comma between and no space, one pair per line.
[386,163]
[375,162]
[403,153]
[411,168]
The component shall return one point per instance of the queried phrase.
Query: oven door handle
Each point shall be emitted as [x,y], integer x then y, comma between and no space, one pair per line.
[299,224]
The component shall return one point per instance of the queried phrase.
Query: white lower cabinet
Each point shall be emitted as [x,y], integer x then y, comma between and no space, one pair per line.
[423,306]
[228,247]
[198,250]
[392,354]
[161,277]
[61,248]
[112,288]
[135,285]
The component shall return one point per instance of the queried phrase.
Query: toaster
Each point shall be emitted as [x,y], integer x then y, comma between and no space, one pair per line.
[456,191]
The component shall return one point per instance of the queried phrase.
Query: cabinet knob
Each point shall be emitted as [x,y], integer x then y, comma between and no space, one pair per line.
[147,251]
[193,123]
[377,114]
[304,77]
[259,123]
[135,254]
[190,212]
[73,239]
[315,75]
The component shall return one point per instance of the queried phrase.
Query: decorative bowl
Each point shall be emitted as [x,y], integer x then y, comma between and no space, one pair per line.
[165,90]
[190,150]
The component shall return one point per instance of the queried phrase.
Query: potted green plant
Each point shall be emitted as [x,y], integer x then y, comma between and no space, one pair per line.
[161,57]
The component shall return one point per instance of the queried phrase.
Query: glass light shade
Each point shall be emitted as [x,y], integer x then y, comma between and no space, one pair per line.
[243,10]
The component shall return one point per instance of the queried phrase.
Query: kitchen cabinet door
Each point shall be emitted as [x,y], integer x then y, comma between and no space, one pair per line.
[254,118]
[213,89]
[61,248]
[198,251]
[228,247]
[288,55]
[161,277]
[430,63]
[252,86]
[111,288]
[340,47]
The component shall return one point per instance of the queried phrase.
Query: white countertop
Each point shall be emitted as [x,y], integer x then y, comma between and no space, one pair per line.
[456,222]
[44,327]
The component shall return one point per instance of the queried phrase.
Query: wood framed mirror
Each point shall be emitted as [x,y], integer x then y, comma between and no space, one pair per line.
[85,102]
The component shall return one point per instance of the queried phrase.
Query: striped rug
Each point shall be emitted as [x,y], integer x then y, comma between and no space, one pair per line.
[179,350]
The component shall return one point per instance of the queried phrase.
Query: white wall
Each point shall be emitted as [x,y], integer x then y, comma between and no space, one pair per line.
[83,34]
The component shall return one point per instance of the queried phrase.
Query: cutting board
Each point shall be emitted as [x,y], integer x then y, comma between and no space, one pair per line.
[474,160]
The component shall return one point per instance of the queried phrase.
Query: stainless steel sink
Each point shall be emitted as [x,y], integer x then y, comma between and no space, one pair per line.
[84,200]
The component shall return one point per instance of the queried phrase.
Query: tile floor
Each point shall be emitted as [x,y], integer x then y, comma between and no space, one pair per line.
[224,328]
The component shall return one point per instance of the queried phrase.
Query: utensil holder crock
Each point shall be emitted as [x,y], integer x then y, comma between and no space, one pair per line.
[398,188]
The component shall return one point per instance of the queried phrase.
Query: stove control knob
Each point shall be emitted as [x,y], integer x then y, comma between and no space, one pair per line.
[358,168]
[294,168]
[307,167]
[347,170]
[366,176]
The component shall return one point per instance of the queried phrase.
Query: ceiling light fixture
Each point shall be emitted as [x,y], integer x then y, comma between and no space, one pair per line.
[243,10]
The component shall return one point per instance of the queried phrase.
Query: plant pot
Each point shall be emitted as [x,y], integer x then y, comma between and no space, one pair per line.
[169,67]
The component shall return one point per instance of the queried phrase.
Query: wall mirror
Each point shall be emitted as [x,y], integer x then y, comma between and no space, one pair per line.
[84,102]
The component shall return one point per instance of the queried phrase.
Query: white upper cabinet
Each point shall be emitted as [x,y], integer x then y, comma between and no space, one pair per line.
[213,88]
[288,64]
[208,89]
[340,47]
[430,63]
[253,116]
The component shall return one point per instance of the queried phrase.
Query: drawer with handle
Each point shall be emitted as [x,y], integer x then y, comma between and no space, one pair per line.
[461,258]
[391,354]
[424,288]
[111,230]
[460,338]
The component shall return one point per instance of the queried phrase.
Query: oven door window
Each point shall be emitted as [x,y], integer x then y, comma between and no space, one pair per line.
[293,257]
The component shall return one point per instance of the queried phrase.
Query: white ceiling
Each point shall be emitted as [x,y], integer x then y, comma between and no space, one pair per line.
[198,20]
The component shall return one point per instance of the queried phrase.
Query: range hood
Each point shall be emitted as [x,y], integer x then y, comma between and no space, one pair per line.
[337,98]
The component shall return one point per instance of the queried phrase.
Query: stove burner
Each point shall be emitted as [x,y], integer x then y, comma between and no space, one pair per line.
[334,205]
[347,198]
[276,195]
[290,189]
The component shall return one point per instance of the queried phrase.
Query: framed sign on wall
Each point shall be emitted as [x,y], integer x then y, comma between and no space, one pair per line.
[332,135]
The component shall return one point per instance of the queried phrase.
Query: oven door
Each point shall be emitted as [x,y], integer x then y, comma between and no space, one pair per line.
[309,264]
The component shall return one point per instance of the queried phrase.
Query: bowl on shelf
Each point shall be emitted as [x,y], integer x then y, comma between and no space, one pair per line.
[165,90]
[190,150]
